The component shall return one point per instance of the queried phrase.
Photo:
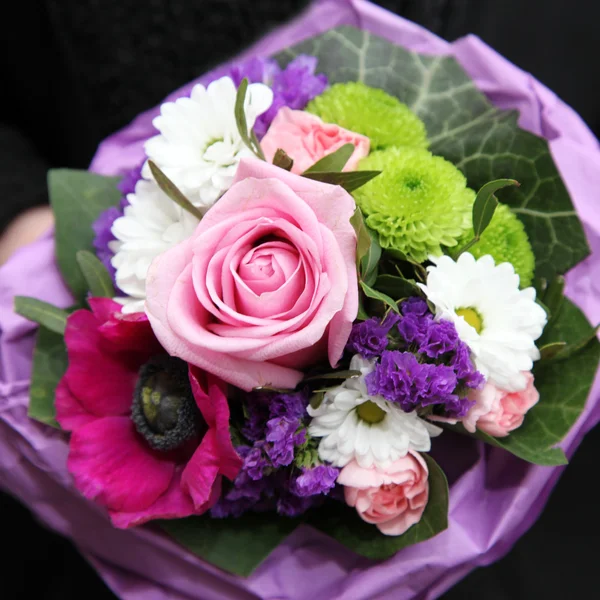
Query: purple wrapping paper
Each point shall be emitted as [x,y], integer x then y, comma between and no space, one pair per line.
[494,501]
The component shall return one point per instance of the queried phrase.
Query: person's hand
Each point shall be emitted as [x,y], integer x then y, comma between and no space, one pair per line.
[26,228]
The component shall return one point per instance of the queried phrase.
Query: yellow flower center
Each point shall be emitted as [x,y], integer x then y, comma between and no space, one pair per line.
[371,413]
[472,317]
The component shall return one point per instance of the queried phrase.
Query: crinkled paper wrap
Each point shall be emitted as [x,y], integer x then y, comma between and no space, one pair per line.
[492,503]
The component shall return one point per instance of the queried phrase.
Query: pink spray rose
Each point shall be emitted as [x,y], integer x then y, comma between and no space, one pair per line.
[394,498]
[265,286]
[139,464]
[306,139]
[498,412]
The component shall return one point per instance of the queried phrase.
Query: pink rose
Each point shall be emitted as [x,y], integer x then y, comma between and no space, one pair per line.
[393,498]
[498,412]
[307,139]
[265,286]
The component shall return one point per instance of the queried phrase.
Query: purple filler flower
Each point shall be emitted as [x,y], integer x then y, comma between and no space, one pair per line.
[283,436]
[294,87]
[441,337]
[318,480]
[400,378]
[370,338]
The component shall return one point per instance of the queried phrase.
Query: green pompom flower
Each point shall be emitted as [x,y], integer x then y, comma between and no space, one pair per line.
[371,112]
[418,203]
[505,239]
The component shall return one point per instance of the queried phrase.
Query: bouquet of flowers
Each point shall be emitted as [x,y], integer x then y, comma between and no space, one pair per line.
[330,265]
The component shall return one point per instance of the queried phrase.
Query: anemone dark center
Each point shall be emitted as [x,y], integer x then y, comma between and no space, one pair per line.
[164,410]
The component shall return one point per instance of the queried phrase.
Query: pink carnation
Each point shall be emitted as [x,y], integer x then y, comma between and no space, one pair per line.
[498,412]
[306,139]
[265,286]
[110,461]
[394,498]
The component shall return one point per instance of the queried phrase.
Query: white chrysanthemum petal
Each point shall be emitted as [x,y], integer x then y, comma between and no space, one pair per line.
[199,145]
[345,436]
[511,319]
[151,224]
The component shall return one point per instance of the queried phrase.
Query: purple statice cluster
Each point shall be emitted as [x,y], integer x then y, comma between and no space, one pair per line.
[370,338]
[427,365]
[294,87]
[278,472]
[103,224]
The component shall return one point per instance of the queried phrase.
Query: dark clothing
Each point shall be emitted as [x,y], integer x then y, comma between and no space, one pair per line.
[74,71]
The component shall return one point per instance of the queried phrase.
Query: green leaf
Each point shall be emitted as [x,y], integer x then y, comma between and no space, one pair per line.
[397,287]
[235,545]
[342,523]
[333,162]
[77,199]
[485,204]
[418,268]
[551,350]
[316,399]
[48,315]
[530,452]
[333,375]
[368,250]
[570,350]
[172,191]
[553,295]
[484,142]
[375,295]
[49,365]
[350,181]
[240,119]
[97,277]
[283,160]
[363,237]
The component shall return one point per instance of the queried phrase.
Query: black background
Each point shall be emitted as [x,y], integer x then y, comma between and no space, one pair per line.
[74,71]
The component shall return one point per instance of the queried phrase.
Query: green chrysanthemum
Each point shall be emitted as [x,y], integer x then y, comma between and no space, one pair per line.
[418,203]
[371,112]
[505,239]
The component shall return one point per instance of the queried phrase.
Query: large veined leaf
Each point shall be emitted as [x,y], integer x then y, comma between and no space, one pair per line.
[465,128]
[49,365]
[78,198]
[236,545]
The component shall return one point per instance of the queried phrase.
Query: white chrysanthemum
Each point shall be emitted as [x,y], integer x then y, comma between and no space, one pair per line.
[199,146]
[152,223]
[498,322]
[354,425]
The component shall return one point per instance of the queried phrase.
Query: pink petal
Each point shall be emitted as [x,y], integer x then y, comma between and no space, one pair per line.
[210,394]
[101,379]
[131,333]
[200,474]
[113,465]
[70,414]
[173,504]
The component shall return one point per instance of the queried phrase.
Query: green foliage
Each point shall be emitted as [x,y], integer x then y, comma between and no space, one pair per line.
[78,198]
[48,315]
[96,276]
[485,143]
[49,365]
